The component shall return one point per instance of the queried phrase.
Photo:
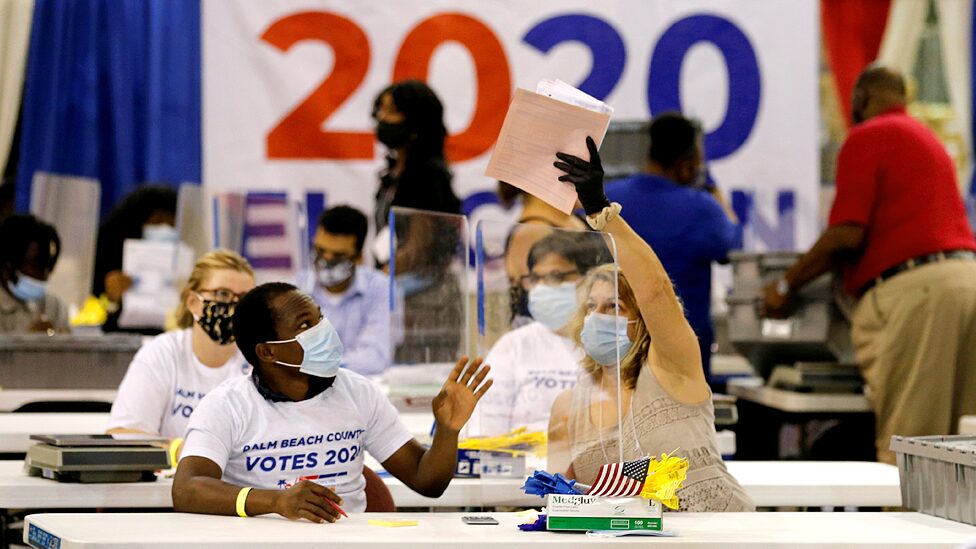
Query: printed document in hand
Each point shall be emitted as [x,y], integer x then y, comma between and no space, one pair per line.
[157,270]
[556,118]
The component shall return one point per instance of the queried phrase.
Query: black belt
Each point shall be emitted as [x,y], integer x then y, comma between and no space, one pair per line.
[917,262]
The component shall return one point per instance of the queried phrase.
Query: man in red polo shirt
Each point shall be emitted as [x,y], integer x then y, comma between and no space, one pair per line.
[899,229]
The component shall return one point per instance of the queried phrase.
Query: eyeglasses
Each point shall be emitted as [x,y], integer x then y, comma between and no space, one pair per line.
[319,254]
[222,295]
[556,278]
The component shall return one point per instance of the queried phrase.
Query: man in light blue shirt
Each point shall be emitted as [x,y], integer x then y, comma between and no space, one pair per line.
[354,298]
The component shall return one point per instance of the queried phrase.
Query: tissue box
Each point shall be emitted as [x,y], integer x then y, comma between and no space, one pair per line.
[581,512]
[483,463]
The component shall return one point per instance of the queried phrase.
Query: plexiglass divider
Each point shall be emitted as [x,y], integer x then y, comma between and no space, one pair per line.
[191,222]
[228,221]
[553,406]
[428,303]
[71,204]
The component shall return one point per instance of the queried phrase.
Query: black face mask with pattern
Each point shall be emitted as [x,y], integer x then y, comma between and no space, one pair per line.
[216,321]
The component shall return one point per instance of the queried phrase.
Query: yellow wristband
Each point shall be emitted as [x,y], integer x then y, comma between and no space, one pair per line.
[174,447]
[241,501]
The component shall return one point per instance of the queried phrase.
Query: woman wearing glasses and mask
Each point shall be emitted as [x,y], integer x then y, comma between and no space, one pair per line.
[172,372]
[534,363]
[642,359]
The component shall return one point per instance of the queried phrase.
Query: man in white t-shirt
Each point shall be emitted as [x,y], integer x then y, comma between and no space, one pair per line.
[290,438]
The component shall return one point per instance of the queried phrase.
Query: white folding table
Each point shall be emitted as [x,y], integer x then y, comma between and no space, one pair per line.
[694,530]
[770,484]
[792,401]
[764,410]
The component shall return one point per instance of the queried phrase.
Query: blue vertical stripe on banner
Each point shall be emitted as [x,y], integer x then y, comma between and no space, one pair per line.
[315,203]
[112,92]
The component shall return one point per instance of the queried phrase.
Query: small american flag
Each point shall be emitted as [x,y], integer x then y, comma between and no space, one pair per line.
[620,479]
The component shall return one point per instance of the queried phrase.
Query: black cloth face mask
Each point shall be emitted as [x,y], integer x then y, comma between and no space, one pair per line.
[216,321]
[392,135]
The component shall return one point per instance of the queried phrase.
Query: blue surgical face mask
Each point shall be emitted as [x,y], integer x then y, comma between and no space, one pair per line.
[28,288]
[323,350]
[553,305]
[160,232]
[602,334]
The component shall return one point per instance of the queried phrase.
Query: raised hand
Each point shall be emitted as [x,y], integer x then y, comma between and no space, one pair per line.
[587,177]
[461,392]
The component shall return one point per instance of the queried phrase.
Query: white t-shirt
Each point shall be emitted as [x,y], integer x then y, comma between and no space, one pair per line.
[165,382]
[270,445]
[530,366]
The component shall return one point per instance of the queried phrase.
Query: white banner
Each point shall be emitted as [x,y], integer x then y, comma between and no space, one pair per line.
[289,87]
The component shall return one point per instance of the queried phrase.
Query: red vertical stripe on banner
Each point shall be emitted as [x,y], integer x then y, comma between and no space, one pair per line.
[852,32]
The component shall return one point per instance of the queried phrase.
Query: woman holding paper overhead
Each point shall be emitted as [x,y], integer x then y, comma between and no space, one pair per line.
[634,319]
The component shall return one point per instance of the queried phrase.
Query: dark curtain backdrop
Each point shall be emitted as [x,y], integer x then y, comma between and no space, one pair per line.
[112,92]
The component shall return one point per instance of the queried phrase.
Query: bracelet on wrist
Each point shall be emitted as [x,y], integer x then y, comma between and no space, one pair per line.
[242,502]
[600,219]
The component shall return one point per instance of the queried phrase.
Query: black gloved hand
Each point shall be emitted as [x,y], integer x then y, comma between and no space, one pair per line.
[587,177]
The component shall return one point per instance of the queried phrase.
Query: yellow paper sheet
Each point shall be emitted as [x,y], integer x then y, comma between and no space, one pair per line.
[392,523]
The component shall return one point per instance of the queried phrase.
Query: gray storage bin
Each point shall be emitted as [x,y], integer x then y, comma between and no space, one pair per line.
[816,332]
[751,272]
[938,475]
[31,361]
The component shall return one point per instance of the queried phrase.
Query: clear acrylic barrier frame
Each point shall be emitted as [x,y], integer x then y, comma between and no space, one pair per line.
[542,383]
[429,271]
[71,204]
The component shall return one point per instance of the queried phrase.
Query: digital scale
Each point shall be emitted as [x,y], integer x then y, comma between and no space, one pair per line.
[97,458]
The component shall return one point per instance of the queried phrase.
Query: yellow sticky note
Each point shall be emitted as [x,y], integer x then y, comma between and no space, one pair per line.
[392,523]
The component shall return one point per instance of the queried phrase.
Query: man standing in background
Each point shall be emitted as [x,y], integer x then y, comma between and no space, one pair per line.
[899,229]
[685,220]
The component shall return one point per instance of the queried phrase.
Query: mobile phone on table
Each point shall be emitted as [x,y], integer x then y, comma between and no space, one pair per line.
[479,520]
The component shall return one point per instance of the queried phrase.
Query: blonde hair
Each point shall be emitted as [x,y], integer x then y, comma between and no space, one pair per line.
[212,261]
[630,364]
